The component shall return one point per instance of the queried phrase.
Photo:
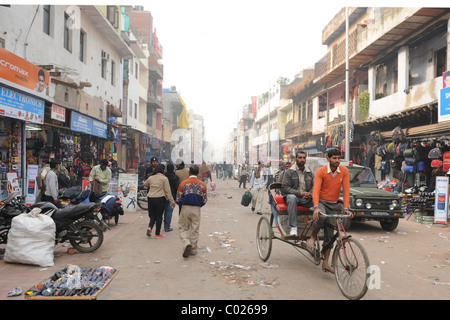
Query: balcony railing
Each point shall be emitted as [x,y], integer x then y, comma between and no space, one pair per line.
[336,56]
[155,69]
[298,129]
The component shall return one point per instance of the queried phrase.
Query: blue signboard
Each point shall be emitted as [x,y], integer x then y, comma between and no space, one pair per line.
[81,123]
[21,106]
[86,124]
[99,129]
[444,105]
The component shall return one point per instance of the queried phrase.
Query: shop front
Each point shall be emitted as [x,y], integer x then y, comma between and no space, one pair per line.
[409,159]
[18,112]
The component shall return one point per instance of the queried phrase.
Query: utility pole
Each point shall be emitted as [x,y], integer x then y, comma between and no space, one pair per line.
[347,88]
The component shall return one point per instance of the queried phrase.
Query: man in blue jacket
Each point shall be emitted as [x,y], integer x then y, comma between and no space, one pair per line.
[191,196]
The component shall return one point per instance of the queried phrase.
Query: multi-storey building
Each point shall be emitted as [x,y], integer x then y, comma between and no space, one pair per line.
[79,52]
[396,58]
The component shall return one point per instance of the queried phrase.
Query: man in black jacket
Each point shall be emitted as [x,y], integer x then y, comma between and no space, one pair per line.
[297,186]
[174,181]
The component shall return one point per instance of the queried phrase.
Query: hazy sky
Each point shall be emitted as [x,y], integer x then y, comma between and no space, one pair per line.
[220,53]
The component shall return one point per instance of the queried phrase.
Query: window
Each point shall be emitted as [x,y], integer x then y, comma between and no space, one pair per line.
[113,73]
[310,109]
[136,68]
[2,43]
[47,19]
[113,16]
[130,108]
[67,34]
[82,46]
[135,110]
[105,58]
[440,61]
[303,112]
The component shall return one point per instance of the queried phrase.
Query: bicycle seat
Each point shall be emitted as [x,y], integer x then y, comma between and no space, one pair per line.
[283,207]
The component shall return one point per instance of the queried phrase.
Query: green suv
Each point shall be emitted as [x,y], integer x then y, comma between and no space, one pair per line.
[367,202]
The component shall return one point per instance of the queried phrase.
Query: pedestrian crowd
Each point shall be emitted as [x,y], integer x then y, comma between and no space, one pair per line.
[176,184]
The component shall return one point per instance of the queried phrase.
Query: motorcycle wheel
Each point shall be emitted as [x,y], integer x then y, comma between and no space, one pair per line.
[142,201]
[90,237]
[3,240]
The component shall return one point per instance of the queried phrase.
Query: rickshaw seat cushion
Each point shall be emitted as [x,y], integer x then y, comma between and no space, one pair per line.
[283,207]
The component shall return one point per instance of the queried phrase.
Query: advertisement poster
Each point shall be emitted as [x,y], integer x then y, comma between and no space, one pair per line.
[32,173]
[127,189]
[13,183]
[441,200]
[20,73]
[444,98]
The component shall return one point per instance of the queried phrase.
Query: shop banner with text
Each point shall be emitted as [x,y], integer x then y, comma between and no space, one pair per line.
[14,104]
[441,200]
[18,72]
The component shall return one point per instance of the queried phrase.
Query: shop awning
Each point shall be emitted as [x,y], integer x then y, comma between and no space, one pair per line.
[426,130]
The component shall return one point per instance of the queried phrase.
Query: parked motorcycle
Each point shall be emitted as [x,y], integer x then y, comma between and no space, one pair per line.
[80,224]
[142,200]
[10,207]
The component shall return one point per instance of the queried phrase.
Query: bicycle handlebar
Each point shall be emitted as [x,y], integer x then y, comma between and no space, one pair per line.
[335,215]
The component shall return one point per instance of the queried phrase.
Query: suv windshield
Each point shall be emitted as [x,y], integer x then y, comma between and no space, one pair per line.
[361,176]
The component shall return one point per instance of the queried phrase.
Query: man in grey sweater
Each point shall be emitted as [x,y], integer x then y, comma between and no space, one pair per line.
[297,186]
[51,182]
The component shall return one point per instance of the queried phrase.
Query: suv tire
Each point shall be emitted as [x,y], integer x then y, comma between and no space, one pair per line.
[389,225]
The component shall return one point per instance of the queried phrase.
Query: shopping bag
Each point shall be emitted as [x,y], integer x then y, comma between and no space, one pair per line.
[246,198]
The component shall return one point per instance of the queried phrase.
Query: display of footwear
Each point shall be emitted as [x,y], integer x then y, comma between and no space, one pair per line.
[159,236]
[253,209]
[259,212]
[149,232]
[168,230]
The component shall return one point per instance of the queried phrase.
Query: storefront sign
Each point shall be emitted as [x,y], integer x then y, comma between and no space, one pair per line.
[58,113]
[81,123]
[444,105]
[88,125]
[20,74]
[441,200]
[99,129]
[21,106]
[127,189]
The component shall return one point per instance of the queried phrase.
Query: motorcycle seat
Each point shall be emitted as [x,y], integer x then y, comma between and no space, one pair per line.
[82,207]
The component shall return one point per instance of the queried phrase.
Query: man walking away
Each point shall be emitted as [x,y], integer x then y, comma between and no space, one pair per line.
[259,181]
[192,195]
[174,182]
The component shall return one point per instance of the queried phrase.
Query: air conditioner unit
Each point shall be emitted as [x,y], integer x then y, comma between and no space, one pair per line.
[105,56]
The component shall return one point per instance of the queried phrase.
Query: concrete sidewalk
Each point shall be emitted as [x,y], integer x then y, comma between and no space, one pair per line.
[14,275]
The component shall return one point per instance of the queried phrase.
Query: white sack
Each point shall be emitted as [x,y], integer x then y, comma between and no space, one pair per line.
[31,239]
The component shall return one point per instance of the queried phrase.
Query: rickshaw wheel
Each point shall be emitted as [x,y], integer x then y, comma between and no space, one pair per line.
[264,235]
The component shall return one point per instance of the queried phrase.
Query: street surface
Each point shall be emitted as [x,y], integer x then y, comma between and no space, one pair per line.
[414,260]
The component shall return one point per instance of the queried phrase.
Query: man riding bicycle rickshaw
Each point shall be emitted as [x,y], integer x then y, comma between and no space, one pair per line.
[329,180]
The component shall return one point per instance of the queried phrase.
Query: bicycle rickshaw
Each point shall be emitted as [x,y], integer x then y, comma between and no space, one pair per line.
[349,259]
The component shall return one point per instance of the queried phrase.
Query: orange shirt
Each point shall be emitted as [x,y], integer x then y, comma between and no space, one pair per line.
[327,187]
